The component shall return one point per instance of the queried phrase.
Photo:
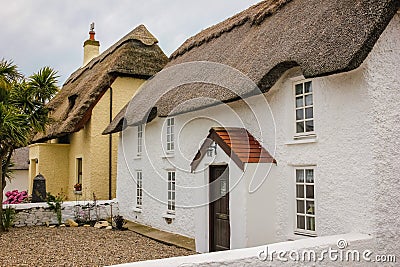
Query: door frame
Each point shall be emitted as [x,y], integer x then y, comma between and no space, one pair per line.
[211,212]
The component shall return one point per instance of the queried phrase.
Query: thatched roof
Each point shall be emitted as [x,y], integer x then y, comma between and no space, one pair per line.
[322,37]
[136,55]
[20,159]
[117,124]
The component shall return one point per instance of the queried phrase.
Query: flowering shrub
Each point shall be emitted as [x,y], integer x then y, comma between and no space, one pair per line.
[78,187]
[15,197]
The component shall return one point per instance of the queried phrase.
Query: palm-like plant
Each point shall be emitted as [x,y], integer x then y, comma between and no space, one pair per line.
[43,84]
[9,74]
[22,111]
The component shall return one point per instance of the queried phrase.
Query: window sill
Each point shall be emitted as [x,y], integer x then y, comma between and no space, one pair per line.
[138,210]
[303,140]
[78,192]
[169,215]
[304,233]
[305,135]
[138,157]
[168,155]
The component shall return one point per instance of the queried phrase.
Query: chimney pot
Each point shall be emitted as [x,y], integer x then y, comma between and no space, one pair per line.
[91,35]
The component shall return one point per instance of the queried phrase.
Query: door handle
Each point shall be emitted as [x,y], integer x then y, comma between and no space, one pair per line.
[222,216]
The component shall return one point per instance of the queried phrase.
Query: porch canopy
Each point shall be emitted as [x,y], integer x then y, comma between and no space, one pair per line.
[237,143]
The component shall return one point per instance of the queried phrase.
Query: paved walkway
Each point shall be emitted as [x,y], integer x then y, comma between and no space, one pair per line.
[161,236]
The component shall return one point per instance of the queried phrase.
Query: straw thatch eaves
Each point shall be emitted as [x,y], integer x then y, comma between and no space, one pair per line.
[135,55]
[321,37]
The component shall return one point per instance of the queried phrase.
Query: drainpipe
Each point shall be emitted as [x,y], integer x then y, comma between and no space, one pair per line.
[110,150]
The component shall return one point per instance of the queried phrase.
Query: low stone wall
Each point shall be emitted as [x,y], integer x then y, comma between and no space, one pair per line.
[35,214]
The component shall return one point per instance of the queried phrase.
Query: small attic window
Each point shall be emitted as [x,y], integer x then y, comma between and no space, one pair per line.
[72,100]
[63,139]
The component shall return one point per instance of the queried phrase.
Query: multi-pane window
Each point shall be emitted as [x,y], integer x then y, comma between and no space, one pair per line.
[139,189]
[79,170]
[139,139]
[171,191]
[305,200]
[304,108]
[170,134]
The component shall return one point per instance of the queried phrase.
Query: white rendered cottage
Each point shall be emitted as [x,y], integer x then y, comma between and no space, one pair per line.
[315,152]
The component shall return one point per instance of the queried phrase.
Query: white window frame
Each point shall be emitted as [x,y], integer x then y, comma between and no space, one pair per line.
[171,195]
[170,135]
[139,189]
[305,199]
[139,139]
[303,108]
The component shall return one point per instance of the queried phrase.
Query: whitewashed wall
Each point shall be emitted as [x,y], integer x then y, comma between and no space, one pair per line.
[154,169]
[355,154]
[382,71]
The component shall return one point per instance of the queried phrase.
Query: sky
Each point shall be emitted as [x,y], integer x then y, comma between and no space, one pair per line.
[38,33]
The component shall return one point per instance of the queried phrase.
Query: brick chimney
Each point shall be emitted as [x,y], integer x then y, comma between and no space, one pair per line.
[90,47]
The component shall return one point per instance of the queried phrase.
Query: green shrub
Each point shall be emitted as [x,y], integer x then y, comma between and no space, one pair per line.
[8,217]
[55,204]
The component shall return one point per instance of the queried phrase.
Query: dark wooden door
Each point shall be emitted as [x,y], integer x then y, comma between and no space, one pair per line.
[220,231]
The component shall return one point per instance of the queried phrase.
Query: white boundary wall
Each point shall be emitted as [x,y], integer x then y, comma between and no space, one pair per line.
[251,256]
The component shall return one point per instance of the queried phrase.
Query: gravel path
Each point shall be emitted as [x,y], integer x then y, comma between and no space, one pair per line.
[82,246]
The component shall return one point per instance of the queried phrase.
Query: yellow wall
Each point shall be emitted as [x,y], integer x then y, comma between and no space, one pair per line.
[52,164]
[122,91]
[80,145]
[58,162]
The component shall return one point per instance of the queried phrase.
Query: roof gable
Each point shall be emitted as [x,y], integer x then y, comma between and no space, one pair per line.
[237,143]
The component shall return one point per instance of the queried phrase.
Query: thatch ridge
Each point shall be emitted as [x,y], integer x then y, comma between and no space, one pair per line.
[136,54]
[140,33]
[255,14]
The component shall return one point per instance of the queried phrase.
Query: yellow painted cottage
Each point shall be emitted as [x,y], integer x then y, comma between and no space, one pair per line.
[73,150]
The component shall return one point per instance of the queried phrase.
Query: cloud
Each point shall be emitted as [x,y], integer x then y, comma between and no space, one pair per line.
[51,33]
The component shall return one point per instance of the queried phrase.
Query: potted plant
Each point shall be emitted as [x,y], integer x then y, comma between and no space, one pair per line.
[119,222]
[78,188]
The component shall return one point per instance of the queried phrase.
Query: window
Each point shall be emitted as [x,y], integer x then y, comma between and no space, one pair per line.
[304,108]
[140,139]
[305,201]
[171,192]
[139,189]
[170,134]
[79,170]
